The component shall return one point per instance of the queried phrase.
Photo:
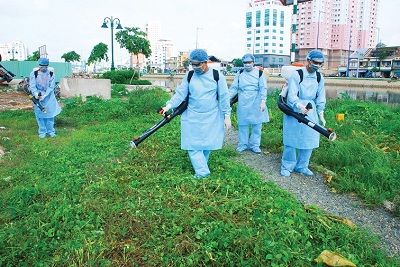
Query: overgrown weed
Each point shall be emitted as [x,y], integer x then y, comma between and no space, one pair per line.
[85,198]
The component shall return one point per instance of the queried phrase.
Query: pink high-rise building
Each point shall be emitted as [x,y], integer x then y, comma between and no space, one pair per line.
[337,27]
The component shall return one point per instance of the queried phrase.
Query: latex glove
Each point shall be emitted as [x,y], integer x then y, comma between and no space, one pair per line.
[322,118]
[166,108]
[37,96]
[262,105]
[302,108]
[227,122]
[42,97]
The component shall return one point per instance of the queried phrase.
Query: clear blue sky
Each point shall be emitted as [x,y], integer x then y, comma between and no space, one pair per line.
[66,25]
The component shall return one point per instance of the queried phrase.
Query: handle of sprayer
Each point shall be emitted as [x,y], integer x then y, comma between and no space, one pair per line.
[165,114]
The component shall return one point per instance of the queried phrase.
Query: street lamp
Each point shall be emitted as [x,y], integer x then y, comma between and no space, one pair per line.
[254,39]
[376,53]
[319,17]
[197,36]
[164,49]
[348,58]
[119,27]
[12,51]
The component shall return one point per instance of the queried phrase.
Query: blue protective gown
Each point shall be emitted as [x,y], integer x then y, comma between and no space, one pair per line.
[251,89]
[44,84]
[202,123]
[296,135]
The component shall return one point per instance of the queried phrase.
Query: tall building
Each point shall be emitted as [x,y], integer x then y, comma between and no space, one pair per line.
[268,26]
[162,49]
[14,50]
[337,27]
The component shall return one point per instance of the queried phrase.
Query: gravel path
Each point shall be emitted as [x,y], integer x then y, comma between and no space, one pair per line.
[313,190]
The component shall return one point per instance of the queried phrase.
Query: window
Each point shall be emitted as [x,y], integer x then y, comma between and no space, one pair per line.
[282,21]
[248,19]
[258,18]
[266,18]
[274,17]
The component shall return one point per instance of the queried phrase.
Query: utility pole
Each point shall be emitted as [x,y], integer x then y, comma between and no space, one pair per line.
[197,36]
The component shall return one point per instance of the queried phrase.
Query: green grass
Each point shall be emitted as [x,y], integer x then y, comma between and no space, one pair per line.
[86,199]
[366,154]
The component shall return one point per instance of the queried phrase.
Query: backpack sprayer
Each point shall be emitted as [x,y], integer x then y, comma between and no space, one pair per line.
[167,118]
[6,74]
[287,71]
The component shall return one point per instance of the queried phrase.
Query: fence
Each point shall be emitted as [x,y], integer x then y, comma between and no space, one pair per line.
[24,68]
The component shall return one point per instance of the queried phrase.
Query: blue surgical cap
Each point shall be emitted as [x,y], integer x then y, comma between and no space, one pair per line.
[43,61]
[316,56]
[248,58]
[198,55]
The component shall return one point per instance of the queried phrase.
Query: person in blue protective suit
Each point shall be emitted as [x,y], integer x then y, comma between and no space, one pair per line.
[299,140]
[251,110]
[42,88]
[208,112]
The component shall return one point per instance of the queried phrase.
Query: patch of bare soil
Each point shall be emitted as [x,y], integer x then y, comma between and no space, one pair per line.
[11,99]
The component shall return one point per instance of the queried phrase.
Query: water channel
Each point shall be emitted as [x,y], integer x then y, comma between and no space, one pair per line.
[384,95]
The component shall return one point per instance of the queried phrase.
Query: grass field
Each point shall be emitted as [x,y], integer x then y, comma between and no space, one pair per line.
[85,198]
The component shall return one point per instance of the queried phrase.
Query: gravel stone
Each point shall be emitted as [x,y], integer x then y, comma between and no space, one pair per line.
[313,191]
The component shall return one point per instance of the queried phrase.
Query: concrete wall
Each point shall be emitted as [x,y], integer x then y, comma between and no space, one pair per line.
[172,82]
[71,87]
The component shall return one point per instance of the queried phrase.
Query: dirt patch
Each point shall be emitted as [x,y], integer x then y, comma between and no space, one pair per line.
[10,99]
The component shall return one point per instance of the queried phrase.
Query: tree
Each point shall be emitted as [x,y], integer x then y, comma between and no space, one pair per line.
[133,39]
[71,56]
[98,53]
[34,57]
[237,62]
[186,64]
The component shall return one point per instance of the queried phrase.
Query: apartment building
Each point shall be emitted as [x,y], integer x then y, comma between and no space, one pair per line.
[337,27]
[268,26]
[14,50]
[162,49]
